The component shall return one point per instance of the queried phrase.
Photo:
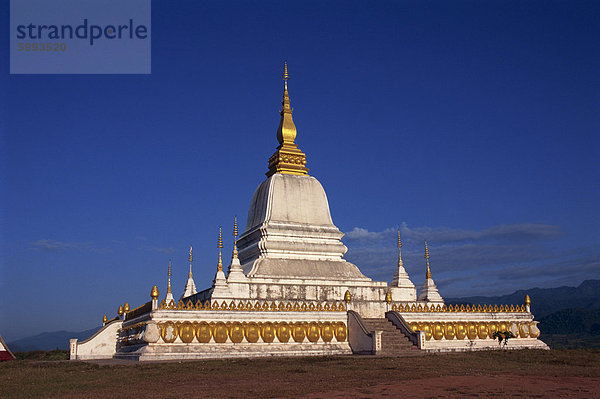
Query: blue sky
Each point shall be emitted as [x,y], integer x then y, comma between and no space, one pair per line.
[473,125]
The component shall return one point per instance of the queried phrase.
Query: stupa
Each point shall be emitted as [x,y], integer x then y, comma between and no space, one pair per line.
[289,291]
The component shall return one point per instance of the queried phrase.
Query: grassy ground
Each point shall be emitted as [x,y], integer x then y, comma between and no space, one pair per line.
[281,377]
[572,341]
[43,355]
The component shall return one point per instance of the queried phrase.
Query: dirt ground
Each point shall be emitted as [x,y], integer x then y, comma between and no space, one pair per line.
[496,374]
[481,386]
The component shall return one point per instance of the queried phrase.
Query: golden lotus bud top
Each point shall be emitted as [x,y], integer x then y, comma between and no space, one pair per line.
[154,293]
[527,300]
[428,272]
[104,319]
[388,297]
[288,159]
[120,310]
[220,246]
[347,297]
[126,307]
[234,254]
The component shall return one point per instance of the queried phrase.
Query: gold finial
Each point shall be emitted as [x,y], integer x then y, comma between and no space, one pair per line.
[190,260]
[235,234]
[286,75]
[220,246]
[399,244]
[104,319]
[347,296]
[388,297]
[126,307]
[288,159]
[120,310]
[169,280]
[428,273]
[154,293]
[527,300]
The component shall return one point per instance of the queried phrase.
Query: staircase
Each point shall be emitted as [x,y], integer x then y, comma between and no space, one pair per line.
[393,341]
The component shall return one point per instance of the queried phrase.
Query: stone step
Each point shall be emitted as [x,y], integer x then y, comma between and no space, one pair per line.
[393,341]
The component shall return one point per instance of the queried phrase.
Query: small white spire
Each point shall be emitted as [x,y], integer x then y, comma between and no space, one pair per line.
[236,274]
[401,278]
[220,288]
[169,296]
[429,291]
[190,286]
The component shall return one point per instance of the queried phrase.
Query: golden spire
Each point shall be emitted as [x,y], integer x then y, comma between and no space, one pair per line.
[169,280]
[399,249]
[527,300]
[220,246]
[288,158]
[235,234]
[190,260]
[428,273]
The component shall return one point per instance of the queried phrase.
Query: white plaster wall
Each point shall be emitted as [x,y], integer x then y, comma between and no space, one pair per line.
[101,345]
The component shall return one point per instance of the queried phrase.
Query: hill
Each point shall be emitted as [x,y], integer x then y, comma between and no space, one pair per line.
[49,340]
[545,301]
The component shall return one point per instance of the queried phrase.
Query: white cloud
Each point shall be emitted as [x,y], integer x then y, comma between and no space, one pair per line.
[464,262]
[55,246]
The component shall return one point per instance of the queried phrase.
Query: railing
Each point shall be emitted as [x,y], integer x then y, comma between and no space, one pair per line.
[140,310]
[255,306]
[456,308]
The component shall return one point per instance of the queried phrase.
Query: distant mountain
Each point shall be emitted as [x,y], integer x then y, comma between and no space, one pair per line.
[571,329]
[583,321]
[545,301]
[49,341]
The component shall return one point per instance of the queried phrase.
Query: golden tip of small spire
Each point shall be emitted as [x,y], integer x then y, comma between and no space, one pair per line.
[399,240]
[154,293]
[104,319]
[190,258]
[426,251]
[286,75]
[347,296]
[220,245]
[235,227]
[527,300]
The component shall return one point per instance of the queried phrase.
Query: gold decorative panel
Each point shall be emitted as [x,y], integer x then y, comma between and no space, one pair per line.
[283,332]
[252,332]
[313,331]
[327,332]
[298,332]
[267,332]
[186,332]
[341,332]
[220,332]
[236,332]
